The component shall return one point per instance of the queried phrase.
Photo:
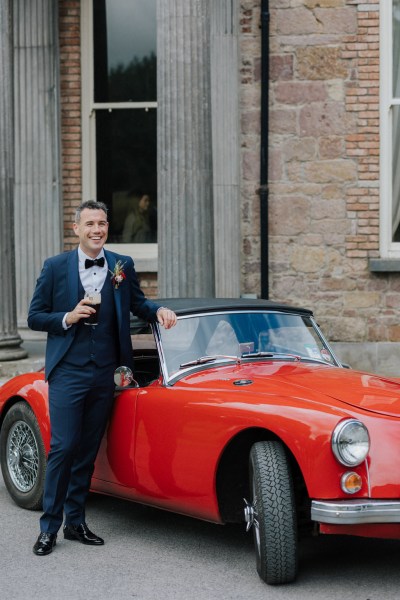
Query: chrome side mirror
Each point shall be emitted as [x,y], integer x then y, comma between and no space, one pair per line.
[123,377]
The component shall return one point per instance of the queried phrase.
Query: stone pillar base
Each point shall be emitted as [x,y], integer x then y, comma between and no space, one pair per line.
[10,350]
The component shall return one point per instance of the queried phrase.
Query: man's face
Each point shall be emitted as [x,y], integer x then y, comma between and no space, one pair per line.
[92,231]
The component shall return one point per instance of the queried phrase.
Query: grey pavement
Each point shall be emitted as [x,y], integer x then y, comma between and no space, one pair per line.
[151,554]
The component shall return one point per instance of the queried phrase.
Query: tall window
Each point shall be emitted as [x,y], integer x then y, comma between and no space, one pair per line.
[390,128]
[119,115]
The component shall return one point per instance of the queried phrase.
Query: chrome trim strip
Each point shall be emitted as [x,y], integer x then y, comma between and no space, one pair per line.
[355,512]
[325,341]
[157,336]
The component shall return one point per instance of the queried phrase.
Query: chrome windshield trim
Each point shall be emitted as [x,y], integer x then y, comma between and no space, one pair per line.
[355,512]
[325,341]
[157,336]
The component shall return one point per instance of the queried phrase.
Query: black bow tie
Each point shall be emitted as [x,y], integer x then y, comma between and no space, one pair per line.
[92,263]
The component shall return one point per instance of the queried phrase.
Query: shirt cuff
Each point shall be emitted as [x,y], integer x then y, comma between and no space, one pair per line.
[64,322]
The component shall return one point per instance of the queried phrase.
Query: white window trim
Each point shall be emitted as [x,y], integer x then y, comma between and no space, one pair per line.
[387,248]
[144,255]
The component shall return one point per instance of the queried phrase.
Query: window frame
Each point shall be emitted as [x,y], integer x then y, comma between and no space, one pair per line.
[388,249]
[144,255]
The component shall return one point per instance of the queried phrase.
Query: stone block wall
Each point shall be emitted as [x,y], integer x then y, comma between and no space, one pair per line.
[323,164]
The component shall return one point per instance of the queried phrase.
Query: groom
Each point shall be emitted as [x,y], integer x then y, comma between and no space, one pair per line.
[80,364]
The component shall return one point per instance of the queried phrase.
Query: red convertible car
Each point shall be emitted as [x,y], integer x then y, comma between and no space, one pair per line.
[240,413]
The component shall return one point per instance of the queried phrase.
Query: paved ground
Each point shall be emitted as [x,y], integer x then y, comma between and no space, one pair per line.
[154,555]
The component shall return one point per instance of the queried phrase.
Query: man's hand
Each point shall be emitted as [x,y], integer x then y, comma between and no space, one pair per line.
[81,311]
[166,317]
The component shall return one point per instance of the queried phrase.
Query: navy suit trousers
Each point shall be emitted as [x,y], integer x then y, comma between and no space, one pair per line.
[80,402]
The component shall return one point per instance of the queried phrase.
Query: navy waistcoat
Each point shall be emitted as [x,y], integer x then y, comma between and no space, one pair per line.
[97,343]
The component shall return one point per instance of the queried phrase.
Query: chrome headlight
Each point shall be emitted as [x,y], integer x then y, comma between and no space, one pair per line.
[350,442]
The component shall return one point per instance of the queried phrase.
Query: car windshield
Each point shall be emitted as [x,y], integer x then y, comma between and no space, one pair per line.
[221,337]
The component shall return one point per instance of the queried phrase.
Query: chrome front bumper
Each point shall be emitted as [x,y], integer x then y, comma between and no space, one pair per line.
[355,512]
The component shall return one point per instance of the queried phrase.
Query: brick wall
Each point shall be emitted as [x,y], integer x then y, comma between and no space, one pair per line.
[323,163]
[70,83]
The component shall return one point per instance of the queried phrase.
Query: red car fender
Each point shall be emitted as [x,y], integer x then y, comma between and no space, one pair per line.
[32,388]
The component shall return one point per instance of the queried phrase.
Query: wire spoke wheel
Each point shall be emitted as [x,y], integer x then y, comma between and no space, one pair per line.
[23,456]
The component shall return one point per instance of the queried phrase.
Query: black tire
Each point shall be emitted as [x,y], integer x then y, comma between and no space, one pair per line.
[23,456]
[274,525]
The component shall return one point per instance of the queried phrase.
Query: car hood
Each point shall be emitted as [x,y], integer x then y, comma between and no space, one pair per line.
[362,390]
[311,381]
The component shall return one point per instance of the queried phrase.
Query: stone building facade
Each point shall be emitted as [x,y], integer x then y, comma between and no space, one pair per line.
[327,139]
[324,172]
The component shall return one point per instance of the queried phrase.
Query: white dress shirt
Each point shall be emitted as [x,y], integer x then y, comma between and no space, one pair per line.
[92,279]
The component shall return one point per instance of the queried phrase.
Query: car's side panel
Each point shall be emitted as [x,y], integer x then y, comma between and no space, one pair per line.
[115,460]
[171,456]
[154,451]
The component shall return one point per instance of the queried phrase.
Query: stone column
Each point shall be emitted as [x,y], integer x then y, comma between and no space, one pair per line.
[226,145]
[185,186]
[37,189]
[9,338]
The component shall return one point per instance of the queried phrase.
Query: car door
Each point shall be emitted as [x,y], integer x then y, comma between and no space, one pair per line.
[115,460]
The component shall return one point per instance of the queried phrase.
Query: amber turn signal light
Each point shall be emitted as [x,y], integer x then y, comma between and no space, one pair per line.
[351,482]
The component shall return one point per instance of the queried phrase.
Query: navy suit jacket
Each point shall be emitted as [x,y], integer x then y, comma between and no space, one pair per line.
[57,292]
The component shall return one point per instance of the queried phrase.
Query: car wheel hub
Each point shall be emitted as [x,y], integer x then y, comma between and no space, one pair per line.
[251,517]
[22,456]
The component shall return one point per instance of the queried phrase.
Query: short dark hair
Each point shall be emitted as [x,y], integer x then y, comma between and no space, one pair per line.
[92,205]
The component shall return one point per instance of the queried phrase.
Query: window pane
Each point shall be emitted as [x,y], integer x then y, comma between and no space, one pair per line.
[124,33]
[126,154]
[396,174]
[396,123]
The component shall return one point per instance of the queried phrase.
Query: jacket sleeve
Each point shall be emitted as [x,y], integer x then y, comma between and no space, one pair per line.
[41,316]
[139,304]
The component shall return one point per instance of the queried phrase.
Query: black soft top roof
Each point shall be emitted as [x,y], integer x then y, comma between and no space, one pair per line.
[184,306]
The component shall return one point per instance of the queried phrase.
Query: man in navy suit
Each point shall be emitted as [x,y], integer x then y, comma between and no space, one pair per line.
[80,364]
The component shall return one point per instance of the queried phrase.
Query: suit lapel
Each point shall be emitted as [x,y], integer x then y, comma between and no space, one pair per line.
[111,262]
[73,278]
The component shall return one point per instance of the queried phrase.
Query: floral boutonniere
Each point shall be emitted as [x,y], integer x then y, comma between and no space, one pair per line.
[118,275]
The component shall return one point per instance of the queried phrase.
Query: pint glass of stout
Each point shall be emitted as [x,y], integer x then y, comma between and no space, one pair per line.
[95,302]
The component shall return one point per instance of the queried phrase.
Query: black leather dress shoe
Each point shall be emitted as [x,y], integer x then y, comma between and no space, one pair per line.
[45,544]
[83,534]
